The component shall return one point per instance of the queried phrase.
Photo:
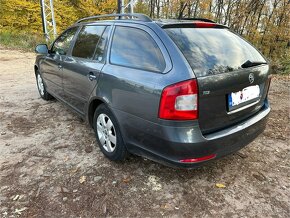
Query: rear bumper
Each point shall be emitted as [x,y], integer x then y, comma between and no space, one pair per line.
[170,144]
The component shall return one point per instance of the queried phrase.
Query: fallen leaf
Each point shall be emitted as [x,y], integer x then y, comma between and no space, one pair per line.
[242,155]
[259,176]
[88,149]
[73,171]
[153,182]
[60,147]
[166,206]
[220,185]
[82,179]
[126,180]
[16,198]
[64,190]
[37,192]
[104,208]
[18,211]
[97,178]
[66,159]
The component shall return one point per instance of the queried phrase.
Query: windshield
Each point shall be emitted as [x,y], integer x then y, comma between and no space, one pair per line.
[213,51]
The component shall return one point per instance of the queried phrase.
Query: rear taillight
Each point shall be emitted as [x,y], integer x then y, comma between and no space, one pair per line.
[179,101]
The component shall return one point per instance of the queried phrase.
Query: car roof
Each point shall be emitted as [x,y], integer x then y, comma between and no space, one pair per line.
[142,19]
[138,18]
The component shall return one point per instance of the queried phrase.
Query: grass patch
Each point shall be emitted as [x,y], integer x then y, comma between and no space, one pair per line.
[286,64]
[282,65]
[20,41]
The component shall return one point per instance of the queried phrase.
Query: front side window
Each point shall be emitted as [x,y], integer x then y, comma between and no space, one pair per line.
[135,48]
[62,44]
[87,41]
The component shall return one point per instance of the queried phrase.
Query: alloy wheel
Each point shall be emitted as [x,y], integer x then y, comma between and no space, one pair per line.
[106,133]
[40,85]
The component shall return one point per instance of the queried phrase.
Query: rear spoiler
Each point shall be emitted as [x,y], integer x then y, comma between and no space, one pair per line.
[194,24]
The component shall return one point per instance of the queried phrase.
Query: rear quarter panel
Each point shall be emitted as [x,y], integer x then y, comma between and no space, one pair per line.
[137,92]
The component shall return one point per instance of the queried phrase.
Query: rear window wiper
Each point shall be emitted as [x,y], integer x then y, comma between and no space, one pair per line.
[249,63]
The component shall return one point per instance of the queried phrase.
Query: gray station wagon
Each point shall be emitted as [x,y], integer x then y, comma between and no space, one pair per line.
[180,92]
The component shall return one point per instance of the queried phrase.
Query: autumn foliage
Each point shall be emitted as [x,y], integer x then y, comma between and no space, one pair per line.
[265,23]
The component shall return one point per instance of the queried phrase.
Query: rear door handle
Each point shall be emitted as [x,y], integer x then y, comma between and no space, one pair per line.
[92,76]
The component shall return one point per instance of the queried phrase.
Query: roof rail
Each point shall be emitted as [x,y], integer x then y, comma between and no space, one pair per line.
[141,17]
[200,19]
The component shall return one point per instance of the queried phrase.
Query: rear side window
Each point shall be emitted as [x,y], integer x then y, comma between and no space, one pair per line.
[213,51]
[135,48]
[87,41]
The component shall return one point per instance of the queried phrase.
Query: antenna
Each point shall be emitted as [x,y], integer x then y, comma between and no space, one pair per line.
[48,20]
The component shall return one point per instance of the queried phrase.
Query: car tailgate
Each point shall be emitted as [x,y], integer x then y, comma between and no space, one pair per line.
[214,91]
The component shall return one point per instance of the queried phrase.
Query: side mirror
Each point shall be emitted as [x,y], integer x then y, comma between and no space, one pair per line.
[41,49]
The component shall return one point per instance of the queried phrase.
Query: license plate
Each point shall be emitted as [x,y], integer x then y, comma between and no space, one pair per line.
[240,98]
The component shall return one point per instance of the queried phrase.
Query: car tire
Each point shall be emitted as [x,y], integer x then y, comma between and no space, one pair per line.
[41,87]
[108,134]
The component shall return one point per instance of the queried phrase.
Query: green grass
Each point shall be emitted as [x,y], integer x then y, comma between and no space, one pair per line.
[20,41]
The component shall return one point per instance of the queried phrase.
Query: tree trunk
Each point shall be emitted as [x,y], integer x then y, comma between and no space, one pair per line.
[268,21]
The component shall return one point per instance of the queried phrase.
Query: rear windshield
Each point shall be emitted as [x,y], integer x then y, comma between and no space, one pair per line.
[213,51]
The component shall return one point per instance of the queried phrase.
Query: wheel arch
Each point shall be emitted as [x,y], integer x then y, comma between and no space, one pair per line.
[35,68]
[94,103]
